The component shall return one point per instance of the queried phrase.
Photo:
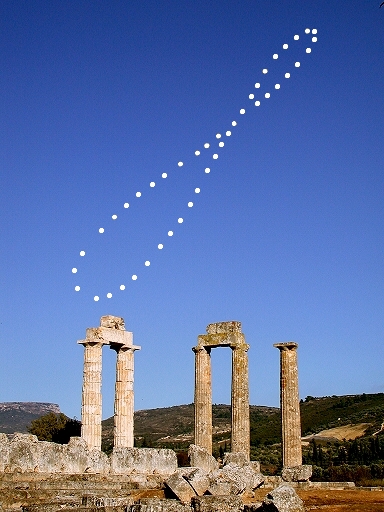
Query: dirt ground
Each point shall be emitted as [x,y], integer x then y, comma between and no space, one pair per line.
[351,500]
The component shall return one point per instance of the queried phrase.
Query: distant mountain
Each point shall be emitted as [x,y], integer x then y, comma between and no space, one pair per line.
[17,416]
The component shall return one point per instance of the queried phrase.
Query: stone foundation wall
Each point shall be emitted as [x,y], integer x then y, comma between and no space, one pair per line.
[25,454]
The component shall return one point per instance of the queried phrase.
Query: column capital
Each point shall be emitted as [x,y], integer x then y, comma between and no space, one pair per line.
[201,348]
[244,347]
[92,343]
[124,348]
[286,345]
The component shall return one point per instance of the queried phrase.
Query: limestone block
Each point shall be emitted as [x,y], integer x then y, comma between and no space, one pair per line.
[240,459]
[255,465]
[217,504]
[97,462]
[112,322]
[180,487]
[198,479]
[297,473]
[283,499]
[4,452]
[200,458]
[245,476]
[160,505]
[143,460]
[22,453]
[76,456]
[223,327]
[225,484]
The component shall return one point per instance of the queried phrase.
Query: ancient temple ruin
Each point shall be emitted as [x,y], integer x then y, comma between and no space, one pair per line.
[111,332]
[223,334]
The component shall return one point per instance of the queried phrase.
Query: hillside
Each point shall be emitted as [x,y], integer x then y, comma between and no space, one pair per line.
[17,416]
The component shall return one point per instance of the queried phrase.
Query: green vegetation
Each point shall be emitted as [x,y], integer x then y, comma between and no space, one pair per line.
[57,428]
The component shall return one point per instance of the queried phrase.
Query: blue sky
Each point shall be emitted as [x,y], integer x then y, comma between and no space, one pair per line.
[99,99]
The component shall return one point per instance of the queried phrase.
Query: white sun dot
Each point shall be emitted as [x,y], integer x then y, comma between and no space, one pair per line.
[287,75]
[82,253]
[307,31]
[277,86]
[109,295]
[147,263]
[297,64]
[96,298]
[275,56]
[265,71]
[74,270]
[197,190]
[215,156]
[197,153]
[285,46]
[101,230]
[308,50]
[77,288]
[234,123]
[296,37]
[180,164]
[314,31]
[180,220]
[251,96]
[242,111]
[257,85]
[257,103]
[164,175]
[207,170]
[134,277]
[138,194]
[218,135]
[122,287]
[160,246]
[170,233]
[221,144]
[314,39]
[152,184]
[206,145]
[228,133]
[190,204]
[267,95]
[114,217]
[126,205]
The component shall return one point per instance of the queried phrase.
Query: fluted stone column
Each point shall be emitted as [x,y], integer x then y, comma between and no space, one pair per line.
[240,436]
[290,404]
[91,394]
[124,397]
[203,398]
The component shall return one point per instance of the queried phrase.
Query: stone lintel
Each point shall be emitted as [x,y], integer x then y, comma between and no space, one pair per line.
[109,336]
[286,345]
[233,339]
[112,322]
[224,327]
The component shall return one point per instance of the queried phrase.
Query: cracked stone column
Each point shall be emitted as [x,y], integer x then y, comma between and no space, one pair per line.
[290,404]
[124,396]
[91,394]
[240,435]
[203,398]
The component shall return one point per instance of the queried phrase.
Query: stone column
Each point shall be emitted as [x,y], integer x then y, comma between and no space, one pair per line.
[203,398]
[91,394]
[123,414]
[290,404]
[240,436]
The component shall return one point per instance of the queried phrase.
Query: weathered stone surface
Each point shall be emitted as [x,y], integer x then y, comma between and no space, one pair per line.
[245,476]
[297,474]
[200,458]
[112,322]
[217,504]
[283,499]
[143,460]
[225,483]
[180,487]
[160,505]
[224,327]
[198,479]
[253,507]
[238,458]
